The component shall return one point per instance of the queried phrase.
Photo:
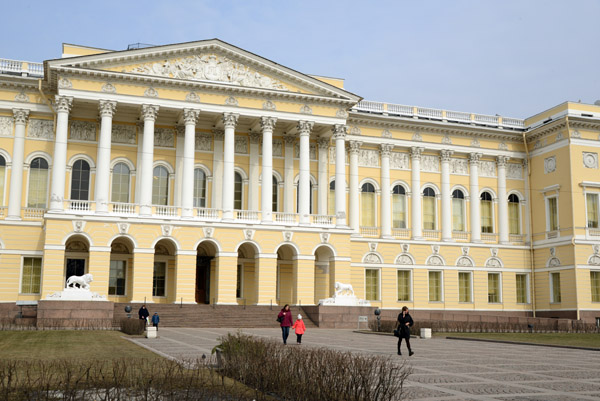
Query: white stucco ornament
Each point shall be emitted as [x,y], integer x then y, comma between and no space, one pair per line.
[77,288]
[344,296]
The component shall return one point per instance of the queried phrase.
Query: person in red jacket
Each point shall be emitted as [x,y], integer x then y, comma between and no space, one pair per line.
[300,329]
[286,322]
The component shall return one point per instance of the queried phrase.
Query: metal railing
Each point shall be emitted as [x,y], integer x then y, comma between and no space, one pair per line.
[369,231]
[289,218]
[322,219]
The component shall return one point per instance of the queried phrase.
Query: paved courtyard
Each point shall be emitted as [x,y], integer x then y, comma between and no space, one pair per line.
[442,369]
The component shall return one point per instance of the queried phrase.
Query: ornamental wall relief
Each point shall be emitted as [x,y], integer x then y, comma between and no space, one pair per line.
[368,158]
[464,261]
[164,137]
[203,142]
[405,259]
[332,155]
[595,258]
[83,131]
[430,164]
[372,258]
[487,169]
[399,161]
[40,129]
[459,166]
[241,145]
[514,171]
[209,67]
[6,126]
[590,160]
[22,97]
[123,133]
[277,148]
[549,164]
[312,151]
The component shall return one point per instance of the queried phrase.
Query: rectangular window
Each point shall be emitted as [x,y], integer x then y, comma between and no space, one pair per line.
[399,211]
[429,213]
[555,286]
[487,220]
[595,284]
[435,286]
[514,226]
[372,284]
[552,214]
[158,281]
[367,209]
[521,288]
[403,285]
[493,288]
[32,276]
[464,287]
[458,214]
[592,210]
[238,286]
[116,279]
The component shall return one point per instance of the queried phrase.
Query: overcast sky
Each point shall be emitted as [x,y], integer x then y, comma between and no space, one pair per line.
[508,57]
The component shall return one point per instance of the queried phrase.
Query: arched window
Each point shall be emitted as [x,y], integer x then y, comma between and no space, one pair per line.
[120,183]
[367,205]
[398,207]
[80,180]
[37,193]
[331,206]
[487,220]
[458,210]
[429,218]
[199,188]
[514,226]
[2,179]
[275,194]
[160,186]
[237,191]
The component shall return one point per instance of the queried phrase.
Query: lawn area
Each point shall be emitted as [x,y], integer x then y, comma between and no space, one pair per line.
[570,339]
[70,344]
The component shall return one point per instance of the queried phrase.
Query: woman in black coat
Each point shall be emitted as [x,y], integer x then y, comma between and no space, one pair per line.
[403,325]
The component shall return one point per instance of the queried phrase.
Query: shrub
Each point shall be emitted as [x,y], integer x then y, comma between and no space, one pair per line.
[386,326]
[133,326]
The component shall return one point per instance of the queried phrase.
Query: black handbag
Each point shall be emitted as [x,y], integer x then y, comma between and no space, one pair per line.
[396,333]
[279,319]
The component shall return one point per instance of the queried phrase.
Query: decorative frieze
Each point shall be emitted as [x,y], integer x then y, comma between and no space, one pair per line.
[312,150]
[277,148]
[151,92]
[475,143]
[355,130]
[231,101]
[305,109]
[590,160]
[192,97]
[430,164]
[64,83]
[514,171]
[549,164]
[269,105]
[459,166]
[241,145]
[446,140]
[40,129]
[332,153]
[399,161]
[417,137]
[83,131]
[6,126]
[487,168]
[22,97]
[123,133]
[368,158]
[164,137]
[203,142]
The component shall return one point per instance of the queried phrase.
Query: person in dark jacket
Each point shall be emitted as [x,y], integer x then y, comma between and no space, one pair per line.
[155,319]
[143,313]
[403,325]
[286,322]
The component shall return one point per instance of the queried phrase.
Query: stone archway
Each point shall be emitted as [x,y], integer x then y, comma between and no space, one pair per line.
[120,277]
[247,265]
[286,287]
[77,256]
[205,271]
[163,277]
[323,255]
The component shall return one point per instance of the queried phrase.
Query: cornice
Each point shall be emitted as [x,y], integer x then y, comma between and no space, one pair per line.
[11,81]
[582,124]
[544,130]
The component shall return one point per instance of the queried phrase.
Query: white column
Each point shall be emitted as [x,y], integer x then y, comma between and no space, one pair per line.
[267,124]
[179,164]
[107,110]
[339,135]
[474,198]
[353,148]
[446,196]
[304,127]
[149,113]
[229,120]
[59,165]
[217,182]
[288,171]
[323,189]
[190,116]
[416,197]
[386,201]
[502,200]
[16,173]
[254,172]
[138,167]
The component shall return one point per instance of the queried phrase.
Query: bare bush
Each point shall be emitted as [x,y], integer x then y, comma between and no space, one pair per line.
[133,326]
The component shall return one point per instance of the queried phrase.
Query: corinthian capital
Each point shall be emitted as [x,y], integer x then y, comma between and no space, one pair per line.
[107,108]
[268,123]
[289,139]
[475,158]
[190,116]
[305,127]
[149,112]
[416,153]
[218,134]
[63,104]
[20,116]
[254,137]
[230,119]
[385,149]
[446,155]
[502,160]
[323,143]
[354,147]
[339,131]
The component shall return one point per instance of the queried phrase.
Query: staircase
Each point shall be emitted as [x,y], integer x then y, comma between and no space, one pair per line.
[230,316]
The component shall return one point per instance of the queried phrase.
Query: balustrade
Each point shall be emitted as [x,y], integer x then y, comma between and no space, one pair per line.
[431,234]
[369,231]
[2,211]
[79,205]
[289,218]
[246,215]
[460,235]
[322,220]
[516,238]
[489,237]
[32,213]
[123,208]
[401,232]
[207,214]
[166,211]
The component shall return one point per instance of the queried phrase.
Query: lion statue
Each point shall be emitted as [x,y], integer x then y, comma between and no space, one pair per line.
[83,281]
[343,289]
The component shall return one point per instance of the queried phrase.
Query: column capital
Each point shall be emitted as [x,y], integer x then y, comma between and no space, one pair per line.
[446,155]
[416,153]
[149,112]
[305,127]
[339,131]
[475,158]
[107,108]
[385,149]
[323,143]
[63,103]
[180,130]
[268,123]
[354,147]
[190,116]
[230,119]
[502,160]
[289,139]
[218,134]
[20,116]
[254,137]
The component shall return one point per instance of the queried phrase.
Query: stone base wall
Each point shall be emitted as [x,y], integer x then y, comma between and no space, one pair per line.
[75,314]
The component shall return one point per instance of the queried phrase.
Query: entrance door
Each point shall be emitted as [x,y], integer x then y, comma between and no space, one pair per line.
[75,267]
[203,279]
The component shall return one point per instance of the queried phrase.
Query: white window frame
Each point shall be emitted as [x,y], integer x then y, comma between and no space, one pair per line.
[21,275]
[69,169]
[500,297]
[521,200]
[410,285]
[585,194]
[120,257]
[406,204]
[470,273]
[527,289]
[436,192]
[493,202]
[170,178]
[464,204]
[551,281]
[553,191]
[244,178]
[27,165]
[378,283]
[377,199]
[442,295]
[131,167]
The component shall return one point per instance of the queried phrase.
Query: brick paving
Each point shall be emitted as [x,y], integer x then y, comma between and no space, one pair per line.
[442,369]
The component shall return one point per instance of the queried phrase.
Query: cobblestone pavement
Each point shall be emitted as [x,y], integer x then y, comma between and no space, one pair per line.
[442,369]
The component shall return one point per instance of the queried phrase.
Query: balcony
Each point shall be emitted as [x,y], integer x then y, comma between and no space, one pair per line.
[369,231]
[403,233]
[460,235]
[285,218]
[21,68]
[33,213]
[489,237]
[516,238]
[83,206]
[431,234]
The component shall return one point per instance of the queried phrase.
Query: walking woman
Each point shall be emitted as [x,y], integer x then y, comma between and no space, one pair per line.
[286,322]
[403,325]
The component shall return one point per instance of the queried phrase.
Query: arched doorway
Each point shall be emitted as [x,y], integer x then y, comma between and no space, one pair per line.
[286,288]
[163,277]
[76,256]
[121,267]
[323,255]
[247,262]
[205,271]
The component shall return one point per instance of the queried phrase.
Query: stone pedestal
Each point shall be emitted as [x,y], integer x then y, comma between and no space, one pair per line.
[426,333]
[151,332]
[75,314]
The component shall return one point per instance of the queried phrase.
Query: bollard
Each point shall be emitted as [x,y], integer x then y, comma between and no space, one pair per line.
[426,333]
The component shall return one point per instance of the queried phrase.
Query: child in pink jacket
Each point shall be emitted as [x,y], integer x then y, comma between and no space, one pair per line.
[300,329]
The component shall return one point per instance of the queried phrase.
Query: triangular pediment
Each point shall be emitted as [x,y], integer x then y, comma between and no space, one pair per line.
[210,61]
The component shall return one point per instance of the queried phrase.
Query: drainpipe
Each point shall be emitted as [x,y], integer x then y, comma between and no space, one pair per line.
[533,305]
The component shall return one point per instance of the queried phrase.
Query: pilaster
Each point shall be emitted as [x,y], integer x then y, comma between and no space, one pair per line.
[99,267]
[142,276]
[225,279]
[185,278]
[265,279]
[304,276]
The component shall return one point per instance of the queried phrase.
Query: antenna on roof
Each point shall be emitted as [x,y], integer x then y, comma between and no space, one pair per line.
[139,46]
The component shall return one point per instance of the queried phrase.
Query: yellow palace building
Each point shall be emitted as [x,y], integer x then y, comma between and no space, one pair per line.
[202,173]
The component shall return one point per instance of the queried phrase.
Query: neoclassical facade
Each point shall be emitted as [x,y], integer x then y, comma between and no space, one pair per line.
[202,173]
